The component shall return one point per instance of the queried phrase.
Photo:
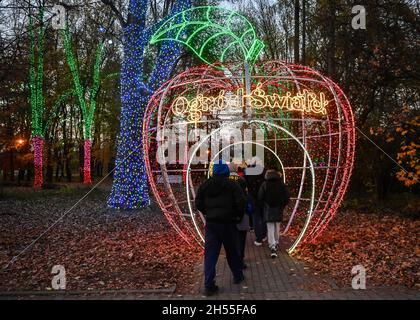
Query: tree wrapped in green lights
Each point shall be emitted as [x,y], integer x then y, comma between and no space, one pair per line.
[40,115]
[86,98]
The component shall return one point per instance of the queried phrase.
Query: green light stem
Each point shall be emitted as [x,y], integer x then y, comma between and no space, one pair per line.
[213,32]
[36,75]
[32,83]
[40,73]
[87,104]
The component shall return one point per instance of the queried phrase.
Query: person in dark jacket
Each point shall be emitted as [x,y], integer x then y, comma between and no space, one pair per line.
[273,196]
[243,225]
[254,182]
[222,202]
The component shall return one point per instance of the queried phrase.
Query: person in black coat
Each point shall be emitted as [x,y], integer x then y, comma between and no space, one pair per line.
[222,202]
[243,225]
[273,196]
[254,182]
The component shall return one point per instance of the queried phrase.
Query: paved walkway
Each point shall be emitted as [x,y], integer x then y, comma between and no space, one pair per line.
[286,278]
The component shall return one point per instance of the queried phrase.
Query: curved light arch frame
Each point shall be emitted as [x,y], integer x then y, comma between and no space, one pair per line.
[257,144]
[342,115]
[243,142]
[311,205]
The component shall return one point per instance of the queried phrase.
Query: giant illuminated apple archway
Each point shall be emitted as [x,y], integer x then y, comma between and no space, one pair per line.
[306,119]
[308,122]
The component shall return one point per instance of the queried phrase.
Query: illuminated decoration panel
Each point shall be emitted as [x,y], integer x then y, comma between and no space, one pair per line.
[193,109]
[213,33]
[316,149]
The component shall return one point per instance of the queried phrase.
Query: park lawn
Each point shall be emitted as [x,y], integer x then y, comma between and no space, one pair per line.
[100,248]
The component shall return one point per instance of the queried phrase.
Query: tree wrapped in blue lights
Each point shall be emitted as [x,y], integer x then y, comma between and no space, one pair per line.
[130,187]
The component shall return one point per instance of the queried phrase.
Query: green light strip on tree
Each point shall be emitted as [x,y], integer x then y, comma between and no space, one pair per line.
[36,74]
[87,104]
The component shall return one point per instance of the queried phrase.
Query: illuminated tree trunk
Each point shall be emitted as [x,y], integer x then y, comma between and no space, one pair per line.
[38,145]
[86,161]
[130,188]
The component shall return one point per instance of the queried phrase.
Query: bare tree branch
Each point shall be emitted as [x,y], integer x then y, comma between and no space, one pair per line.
[114,9]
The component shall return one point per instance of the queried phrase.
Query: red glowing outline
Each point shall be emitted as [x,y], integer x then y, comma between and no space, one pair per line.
[341,140]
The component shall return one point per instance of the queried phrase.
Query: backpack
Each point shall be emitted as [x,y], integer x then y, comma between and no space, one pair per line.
[273,214]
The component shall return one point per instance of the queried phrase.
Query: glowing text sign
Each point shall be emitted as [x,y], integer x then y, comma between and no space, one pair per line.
[305,101]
